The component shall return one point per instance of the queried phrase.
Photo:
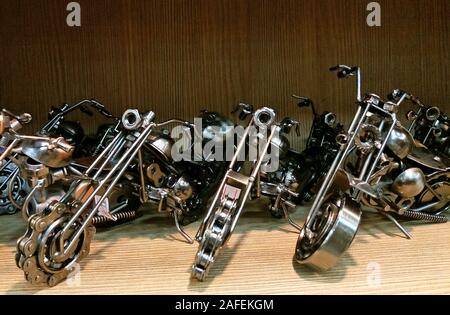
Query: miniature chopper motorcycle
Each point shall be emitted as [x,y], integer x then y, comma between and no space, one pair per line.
[321,149]
[12,187]
[139,156]
[236,187]
[301,172]
[380,166]
[38,167]
[428,124]
[298,174]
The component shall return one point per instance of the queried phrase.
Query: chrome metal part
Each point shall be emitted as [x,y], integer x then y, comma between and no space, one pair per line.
[228,203]
[384,168]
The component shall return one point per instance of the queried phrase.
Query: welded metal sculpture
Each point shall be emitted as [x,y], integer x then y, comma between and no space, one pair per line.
[237,187]
[66,183]
[13,188]
[138,159]
[380,166]
[321,149]
[300,172]
[38,168]
[428,124]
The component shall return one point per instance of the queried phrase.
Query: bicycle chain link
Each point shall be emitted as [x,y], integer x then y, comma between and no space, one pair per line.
[29,245]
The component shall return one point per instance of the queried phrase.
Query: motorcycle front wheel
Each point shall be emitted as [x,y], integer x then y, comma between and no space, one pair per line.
[331,234]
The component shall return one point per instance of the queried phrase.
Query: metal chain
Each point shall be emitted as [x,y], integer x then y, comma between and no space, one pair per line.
[216,234]
[36,254]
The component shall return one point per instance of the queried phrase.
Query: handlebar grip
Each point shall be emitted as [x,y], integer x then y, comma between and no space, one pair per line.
[287,123]
[344,71]
[334,68]
[23,118]
[342,74]
[105,113]
[102,109]
[305,103]
[416,100]
[244,110]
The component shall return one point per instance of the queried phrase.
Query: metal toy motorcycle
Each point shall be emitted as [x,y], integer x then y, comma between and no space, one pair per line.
[44,163]
[60,236]
[12,187]
[321,149]
[428,124]
[301,172]
[380,166]
[236,187]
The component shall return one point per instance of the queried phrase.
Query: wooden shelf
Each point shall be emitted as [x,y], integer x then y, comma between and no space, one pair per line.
[147,256]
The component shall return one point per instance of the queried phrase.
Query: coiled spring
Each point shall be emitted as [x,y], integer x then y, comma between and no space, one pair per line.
[425,216]
[121,216]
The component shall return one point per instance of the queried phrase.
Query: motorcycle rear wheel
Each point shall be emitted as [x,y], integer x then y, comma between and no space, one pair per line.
[441,184]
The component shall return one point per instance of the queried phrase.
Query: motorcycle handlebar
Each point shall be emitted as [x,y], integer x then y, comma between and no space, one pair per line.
[344,71]
[244,110]
[288,123]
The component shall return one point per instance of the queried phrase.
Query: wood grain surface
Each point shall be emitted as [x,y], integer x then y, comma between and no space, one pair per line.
[147,256]
[179,56]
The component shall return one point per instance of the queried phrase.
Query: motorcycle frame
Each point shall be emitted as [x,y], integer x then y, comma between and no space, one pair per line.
[112,176]
[232,175]
[365,107]
[52,124]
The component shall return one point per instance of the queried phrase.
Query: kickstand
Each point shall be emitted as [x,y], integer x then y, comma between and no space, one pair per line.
[399,226]
[182,232]
[288,217]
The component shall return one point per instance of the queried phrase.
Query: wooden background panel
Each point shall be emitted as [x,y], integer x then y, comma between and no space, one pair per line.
[179,56]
